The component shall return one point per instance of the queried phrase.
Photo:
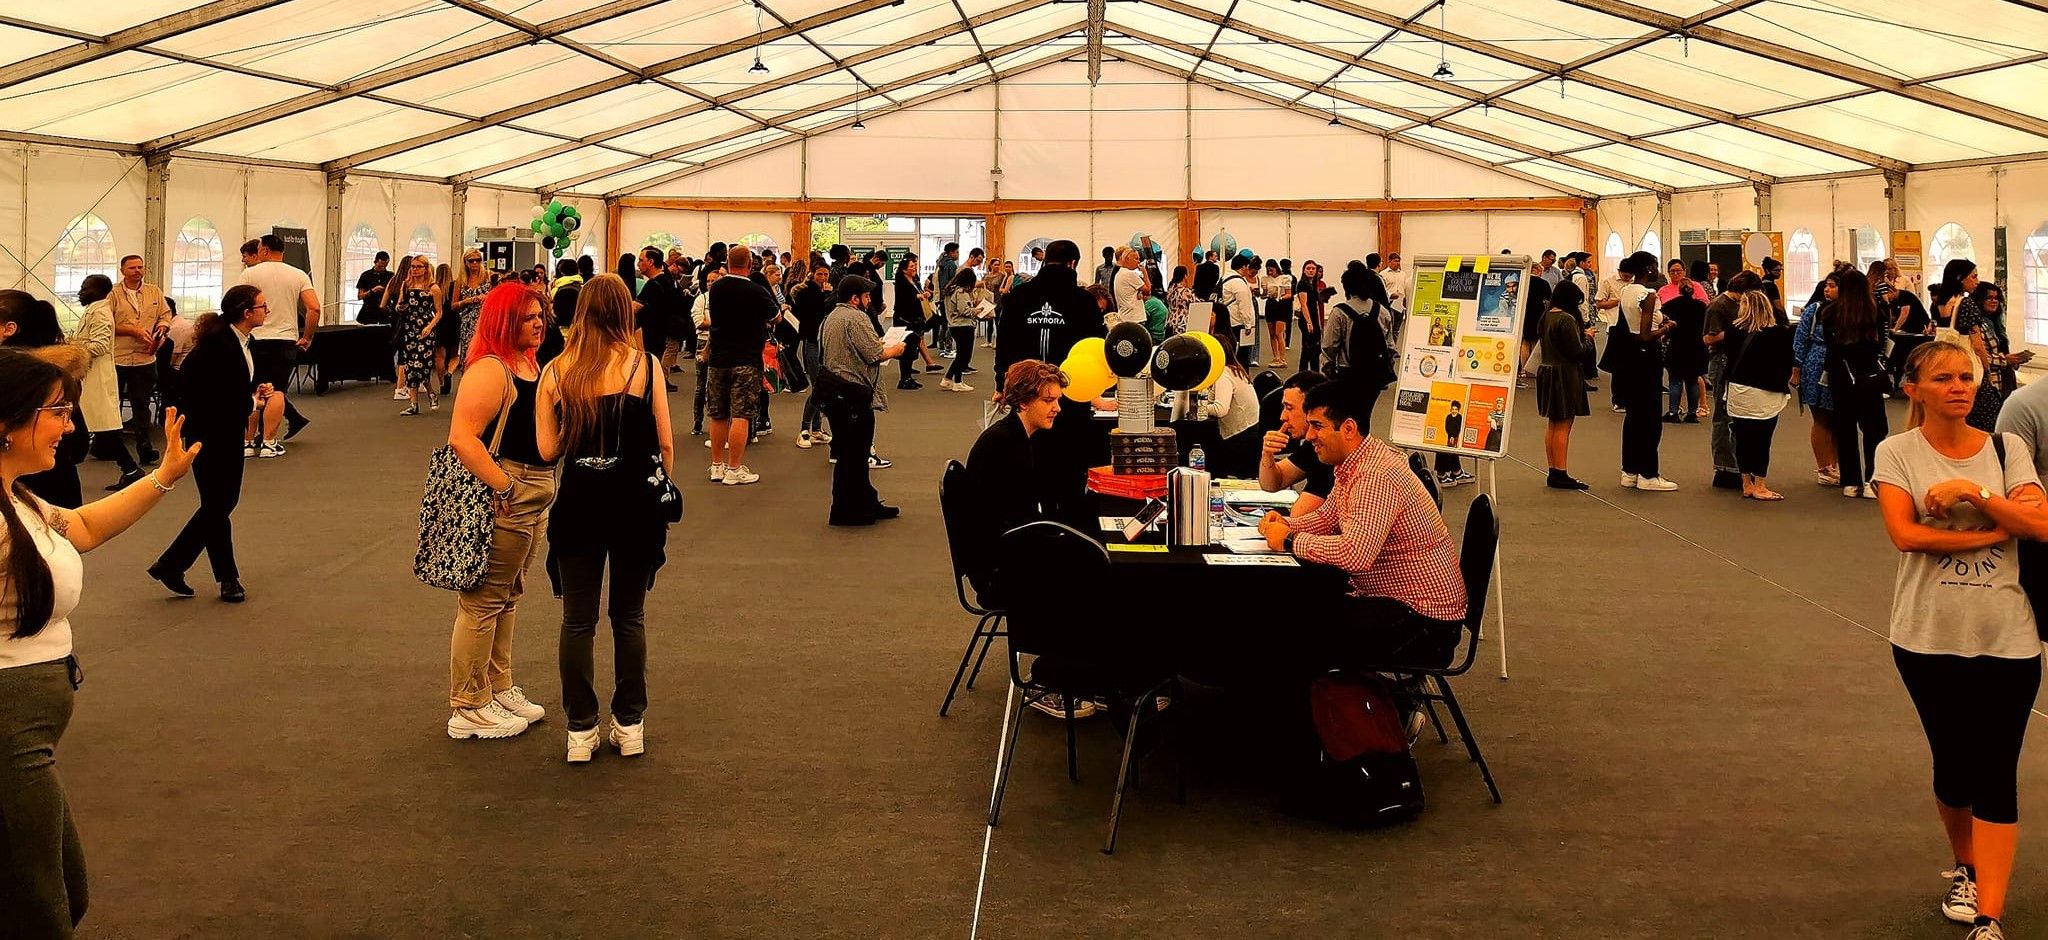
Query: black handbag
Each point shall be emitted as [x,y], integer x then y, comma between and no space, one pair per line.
[2033,557]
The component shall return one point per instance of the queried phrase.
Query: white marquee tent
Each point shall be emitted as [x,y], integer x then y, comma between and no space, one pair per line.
[176,128]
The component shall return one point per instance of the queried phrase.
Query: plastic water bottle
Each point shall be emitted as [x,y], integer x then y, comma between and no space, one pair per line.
[1197,460]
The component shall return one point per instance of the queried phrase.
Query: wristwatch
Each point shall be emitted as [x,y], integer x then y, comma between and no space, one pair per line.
[1287,544]
[1984,493]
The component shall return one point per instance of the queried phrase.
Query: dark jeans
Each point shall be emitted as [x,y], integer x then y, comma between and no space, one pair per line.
[963,352]
[814,411]
[138,386]
[1723,432]
[1311,350]
[1855,413]
[1974,711]
[697,400]
[110,445]
[217,471]
[912,359]
[1643,429]
[1753,445]
[1372,631]
[42,867]
[1448,463]
[853,435]
[582,578]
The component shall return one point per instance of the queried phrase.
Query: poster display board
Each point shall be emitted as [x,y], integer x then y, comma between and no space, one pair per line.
[1908,254]
[1459,346]
[296,253]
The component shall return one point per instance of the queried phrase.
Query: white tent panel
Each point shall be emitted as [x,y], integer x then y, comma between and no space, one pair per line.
[14,171]
[204,189]
[1166,24]
[727,74]
[774,174]
[1907,129]
[1141,155]
[610,110]
[2015,88]
[1329,28]
[1931,28]
[694,129]
[1627,218]
[321,134]
[1528,131]
[1663,169]
[332,41]
[727,148]
[1286,60]
[1045,134]
[1700,71]
[1571,177]
[1119,227]
[1443,233]
[1421,174]
[1015,28]
[735,227]
[803,95]
[1529,233]
[1962,197]
[1331,239]
[540,11]
[17,44]
[1037,52]
[1466,144]
[517,76]
[687,229]
[1829,209]
[560,167]
[1548,29]
[1711,209]
[1264,232]
[1585,103]
[1392,92]
[368,203]
[658,33]
[1474,72]
[627,178]
[464,152]
[1761,152]
[919,59]
[941,151]
[105,18]
[879,28]
[1274,154]
[68,184]
[132,96]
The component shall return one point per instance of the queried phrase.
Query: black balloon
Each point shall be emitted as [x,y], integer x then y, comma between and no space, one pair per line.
[1127,347]
[547,241]
[1180,363]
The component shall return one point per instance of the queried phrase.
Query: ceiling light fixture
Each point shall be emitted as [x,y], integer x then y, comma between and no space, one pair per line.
[758,68]
[1332,99]
[1443,57]
[1443,72]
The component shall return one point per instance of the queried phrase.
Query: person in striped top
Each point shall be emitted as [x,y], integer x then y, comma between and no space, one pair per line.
[1406,602]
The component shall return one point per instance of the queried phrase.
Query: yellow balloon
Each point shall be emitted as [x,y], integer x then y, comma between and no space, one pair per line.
[1087,369]
[1216,360]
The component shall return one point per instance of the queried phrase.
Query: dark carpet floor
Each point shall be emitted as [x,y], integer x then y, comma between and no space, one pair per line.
[1703,735]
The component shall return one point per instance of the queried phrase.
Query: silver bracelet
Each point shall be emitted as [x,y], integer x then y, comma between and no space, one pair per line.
[159,484]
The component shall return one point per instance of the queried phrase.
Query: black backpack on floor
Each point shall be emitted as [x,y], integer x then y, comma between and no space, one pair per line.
[1363,775]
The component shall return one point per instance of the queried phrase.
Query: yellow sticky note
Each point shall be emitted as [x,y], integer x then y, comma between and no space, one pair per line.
[1453,262]
[1120,547]
[1479,264]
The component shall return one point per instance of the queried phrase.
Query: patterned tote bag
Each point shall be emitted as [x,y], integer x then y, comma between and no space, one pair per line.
[456,518]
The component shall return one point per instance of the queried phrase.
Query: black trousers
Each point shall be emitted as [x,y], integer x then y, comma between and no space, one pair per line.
[1642,431]
[138,386]
[853,435]
[1311,350]
[275,359]
[1753,444]
[911,361]
[110,445]
[1974,710]
[582,579]
[217,472]
[963,352]
[1854,413]
[1372,631]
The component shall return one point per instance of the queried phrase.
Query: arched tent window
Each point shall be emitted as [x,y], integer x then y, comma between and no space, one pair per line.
[423,243]
[196,268]
[1870,248]
[661,240]
[1652,243]
[1802,267]
[1025,264]
[1610,254]
[1951,241]
[358,254]
[761,245]
[85,248]
[2034,274]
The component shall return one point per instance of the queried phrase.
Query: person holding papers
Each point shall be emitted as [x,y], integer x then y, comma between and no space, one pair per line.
[1406,602]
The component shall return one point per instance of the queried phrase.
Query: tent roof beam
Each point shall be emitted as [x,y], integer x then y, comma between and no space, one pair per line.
[134,37]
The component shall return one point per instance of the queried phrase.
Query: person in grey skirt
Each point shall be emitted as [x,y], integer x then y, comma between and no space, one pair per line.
[42,868]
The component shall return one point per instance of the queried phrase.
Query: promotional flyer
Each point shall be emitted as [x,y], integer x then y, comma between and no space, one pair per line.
[1455,392]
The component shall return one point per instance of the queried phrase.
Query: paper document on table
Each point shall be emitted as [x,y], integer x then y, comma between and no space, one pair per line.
[895,335]
[1282,561]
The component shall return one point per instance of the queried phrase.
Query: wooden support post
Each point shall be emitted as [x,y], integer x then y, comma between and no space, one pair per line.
[994,231]
[1591,216]
[1390,233]
[799,235]
[614,221]
[1190,231]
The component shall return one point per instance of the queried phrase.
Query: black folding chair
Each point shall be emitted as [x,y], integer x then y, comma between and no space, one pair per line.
[964,541]
[1475,561]
[1265,383]
[1269,410]
[1423,472]
[1082,653]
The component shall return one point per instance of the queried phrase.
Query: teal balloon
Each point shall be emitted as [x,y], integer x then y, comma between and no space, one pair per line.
[1196,255]
[1224,244]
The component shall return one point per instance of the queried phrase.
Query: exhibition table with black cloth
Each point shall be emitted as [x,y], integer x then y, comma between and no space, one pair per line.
[349,352]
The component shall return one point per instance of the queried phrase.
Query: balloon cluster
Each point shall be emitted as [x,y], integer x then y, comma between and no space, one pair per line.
[1181,363]
[553,223]
[1153,253]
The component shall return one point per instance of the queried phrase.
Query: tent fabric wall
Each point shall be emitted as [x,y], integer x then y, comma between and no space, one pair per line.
[1529,233]
[1421,174]
[1332,238]
[1134,156]
[1046,121]
[1243,150]
[775,174]
[1714,208]
[940,151]
[63,184]
[1093,230]
[1443,233]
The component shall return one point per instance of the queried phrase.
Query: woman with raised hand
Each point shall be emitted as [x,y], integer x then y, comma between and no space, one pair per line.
[501,380]
[1954,501]
[597,413]
[43,885]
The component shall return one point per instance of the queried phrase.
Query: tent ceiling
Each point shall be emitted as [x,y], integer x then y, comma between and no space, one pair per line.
[1594,96]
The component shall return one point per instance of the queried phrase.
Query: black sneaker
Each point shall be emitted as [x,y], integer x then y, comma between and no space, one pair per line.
[127,477]
[886,511]
[909,385]
[448,385]
[1560,480]
[1960,905]
[1727,480]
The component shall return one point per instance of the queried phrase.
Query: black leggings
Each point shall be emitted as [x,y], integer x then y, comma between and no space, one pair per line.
[582,580]
[1858,413]
[1974,710]
[963,352]
[1753,444]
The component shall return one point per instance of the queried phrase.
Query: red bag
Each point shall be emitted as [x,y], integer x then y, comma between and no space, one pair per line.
[1364,775]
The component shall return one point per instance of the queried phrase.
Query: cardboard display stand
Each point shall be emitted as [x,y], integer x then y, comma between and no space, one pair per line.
[1460,348]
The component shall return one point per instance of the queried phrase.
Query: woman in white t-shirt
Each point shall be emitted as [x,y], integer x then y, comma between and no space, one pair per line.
[42,888]
[1962,629]
[1639,374]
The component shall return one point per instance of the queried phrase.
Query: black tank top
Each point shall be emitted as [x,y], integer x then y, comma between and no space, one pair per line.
[519,443]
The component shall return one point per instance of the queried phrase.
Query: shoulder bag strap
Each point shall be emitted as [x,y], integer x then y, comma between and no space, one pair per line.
[1998,447]
[505,410]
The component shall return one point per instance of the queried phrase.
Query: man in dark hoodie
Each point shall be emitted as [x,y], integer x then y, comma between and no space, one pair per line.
[1043,319]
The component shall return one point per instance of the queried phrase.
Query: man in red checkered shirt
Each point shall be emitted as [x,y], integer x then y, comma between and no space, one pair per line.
[1406,604]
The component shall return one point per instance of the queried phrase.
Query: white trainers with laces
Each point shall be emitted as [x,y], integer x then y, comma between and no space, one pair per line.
[740,476]
[1961,904]
[1055,705]
[1655,484]
[1629,481]
[483,723]
[270,449]
[803,439]
[582,746]
[249,448]
[514,700]
[718,473]
[398,394]
[631,740]
[1988,930]
[957,387]
[821,436]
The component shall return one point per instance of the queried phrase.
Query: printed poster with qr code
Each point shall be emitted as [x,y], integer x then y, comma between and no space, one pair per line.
[1460,349]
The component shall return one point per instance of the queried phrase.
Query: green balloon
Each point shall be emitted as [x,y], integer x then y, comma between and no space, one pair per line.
[555,207]
[538,225]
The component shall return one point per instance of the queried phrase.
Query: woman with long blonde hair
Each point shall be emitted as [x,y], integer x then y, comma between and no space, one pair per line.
[1761,375]
[393,315]
[599,413]
[466,301]
[419,317]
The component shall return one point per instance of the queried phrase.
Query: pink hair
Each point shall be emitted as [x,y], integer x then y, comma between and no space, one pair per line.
[497,327]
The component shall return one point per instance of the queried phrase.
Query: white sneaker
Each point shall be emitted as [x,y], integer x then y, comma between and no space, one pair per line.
[1961,904]
[1828,476]
[957,387]
[821,437]
[248,448]
[946,384]
[803,439]
[398,394]
[514,700]
[1655,484]
[740,476]
[270,449]
[582,746]
[1869,491]
[483,723]
[718,473]
[1629,480]
[1853,492]
[631,740]
[879,462]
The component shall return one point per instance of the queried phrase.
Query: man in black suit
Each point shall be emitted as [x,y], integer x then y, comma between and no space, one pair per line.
[214,389]
[659,300]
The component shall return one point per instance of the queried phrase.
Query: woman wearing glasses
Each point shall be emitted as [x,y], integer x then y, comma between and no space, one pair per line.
[466,301]
[419,308]
[215,386]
